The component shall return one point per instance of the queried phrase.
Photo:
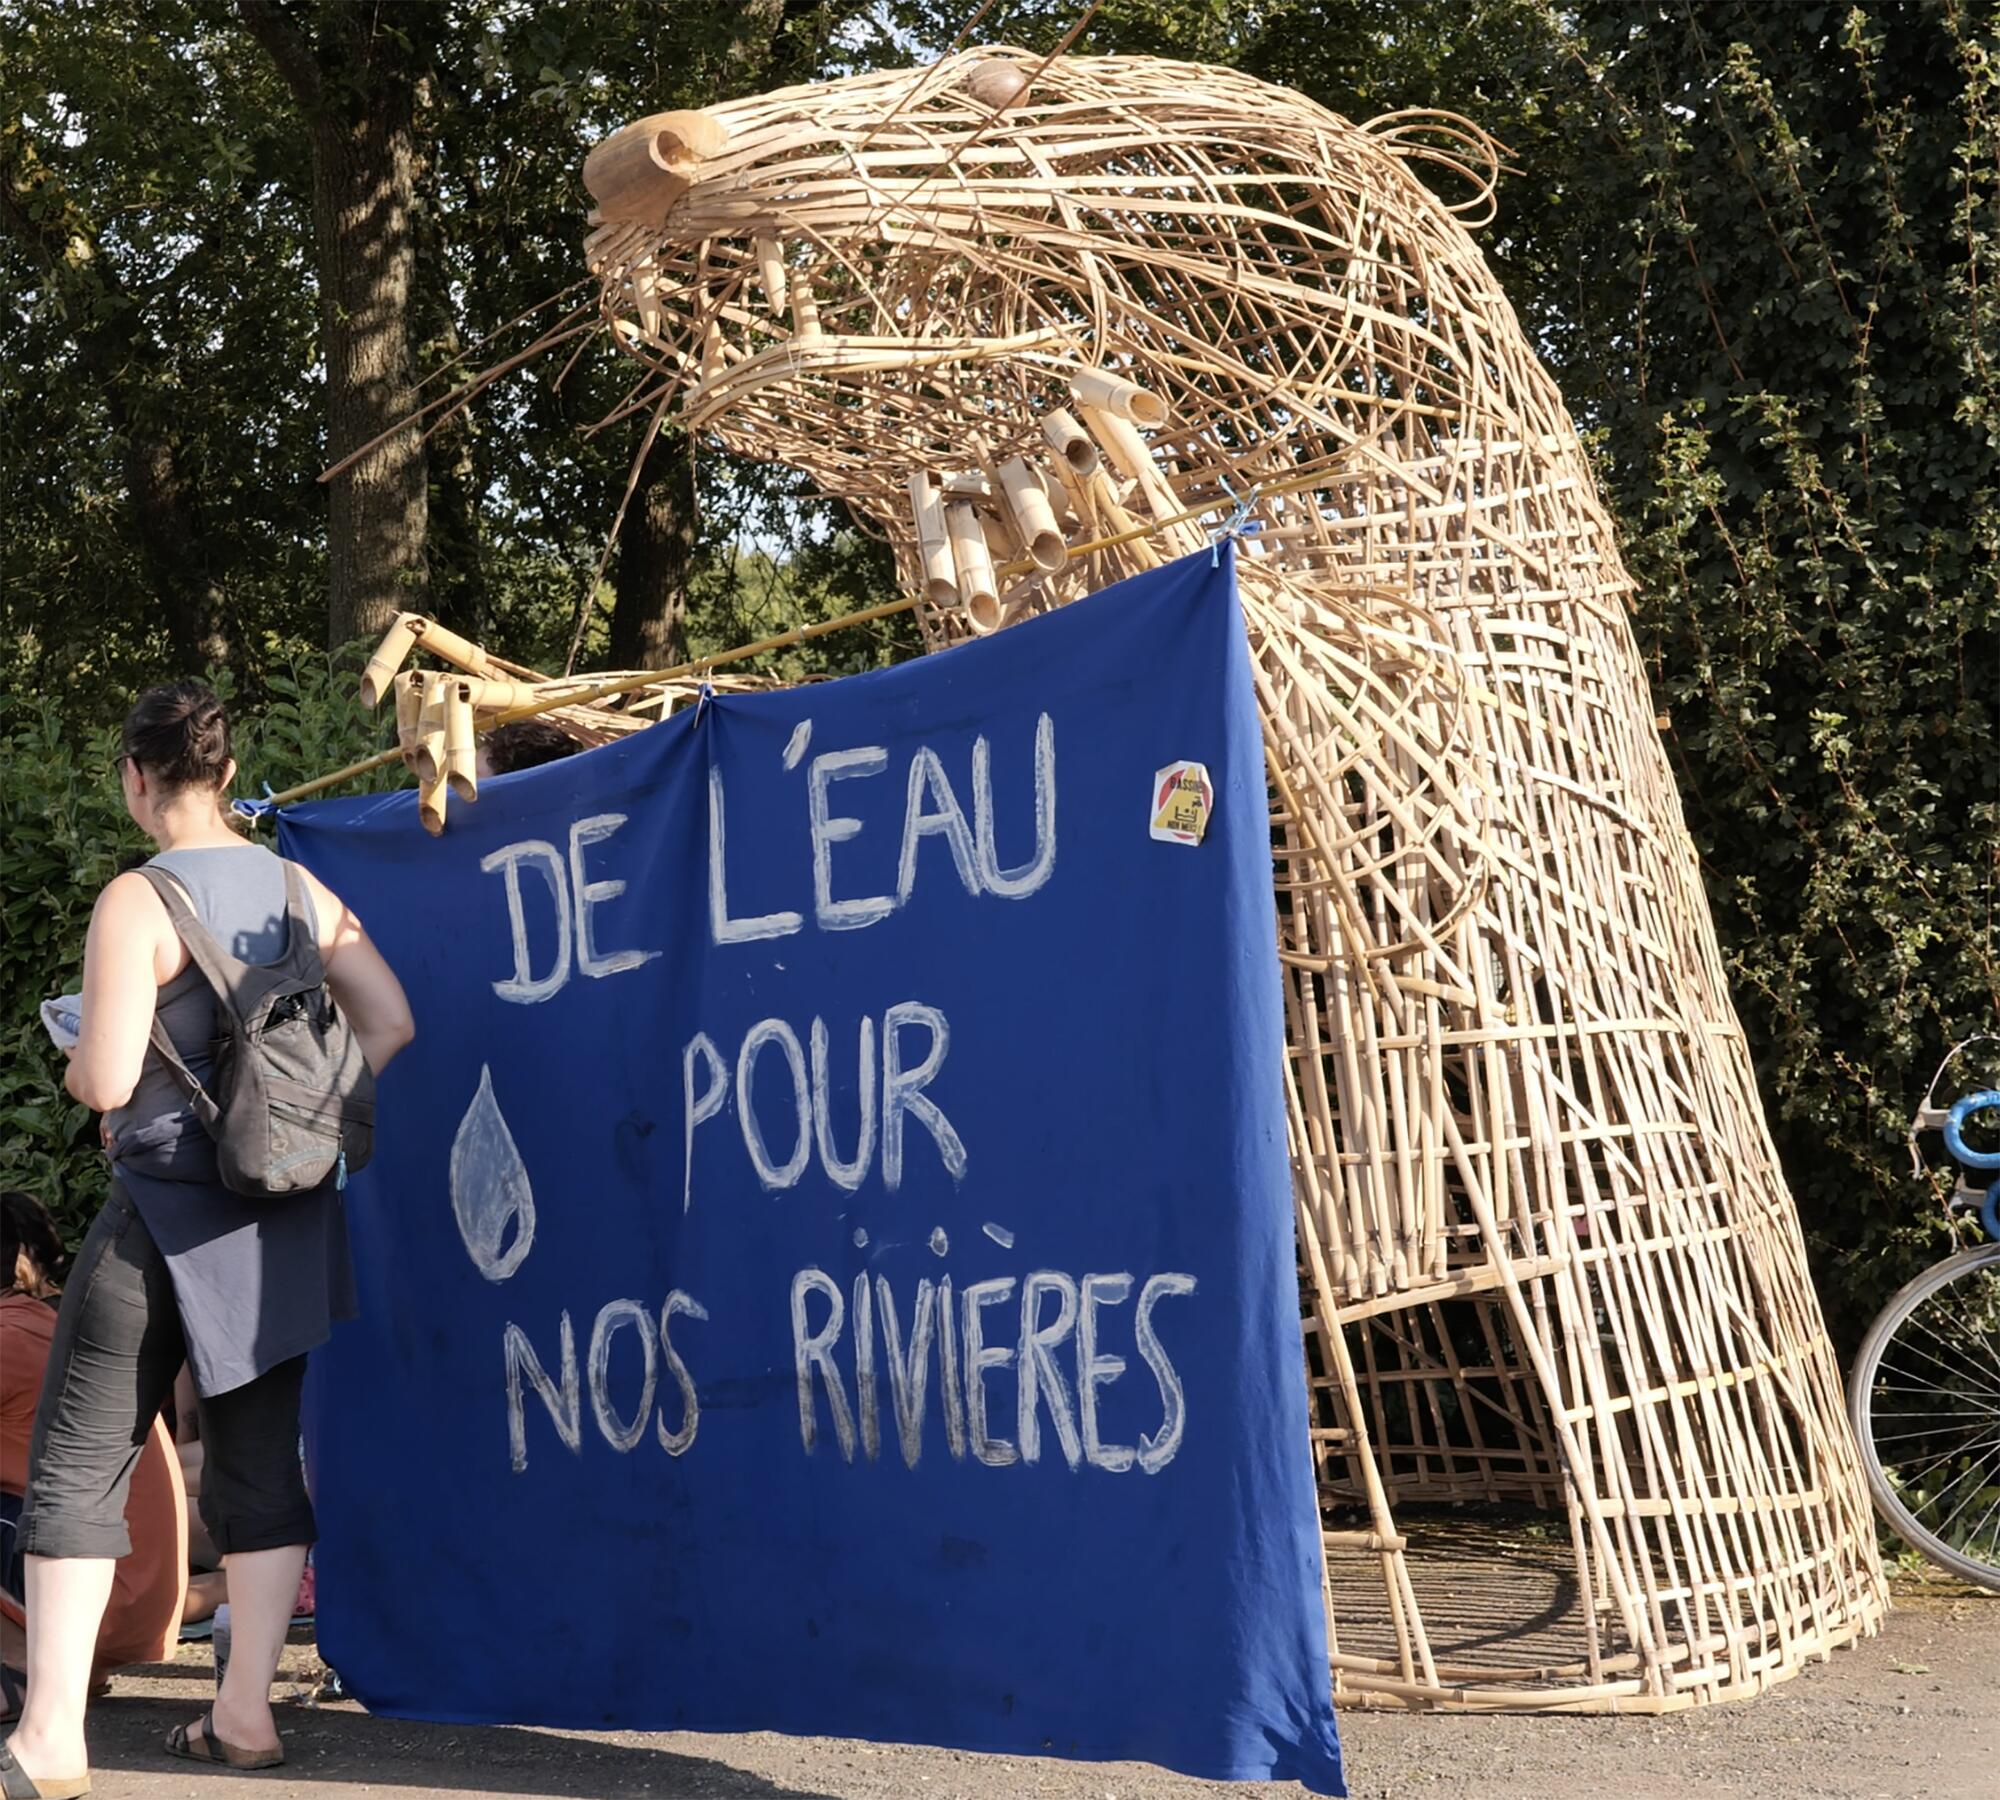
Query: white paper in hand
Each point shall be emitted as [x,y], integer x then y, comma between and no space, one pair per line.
[62,1018]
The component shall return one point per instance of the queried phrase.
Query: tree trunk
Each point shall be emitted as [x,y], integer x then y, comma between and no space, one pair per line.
[655,552]
[363,184]
[175,549]
[353,68]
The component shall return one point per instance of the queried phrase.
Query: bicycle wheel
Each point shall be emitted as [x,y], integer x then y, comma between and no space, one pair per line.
[1925,1401]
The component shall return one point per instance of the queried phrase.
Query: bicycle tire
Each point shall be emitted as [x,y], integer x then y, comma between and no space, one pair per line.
[1865,1392]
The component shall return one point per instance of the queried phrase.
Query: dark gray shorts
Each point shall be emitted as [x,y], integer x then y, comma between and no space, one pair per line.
[118,1347]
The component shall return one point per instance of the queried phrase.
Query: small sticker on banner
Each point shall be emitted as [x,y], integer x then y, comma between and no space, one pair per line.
[1183,797]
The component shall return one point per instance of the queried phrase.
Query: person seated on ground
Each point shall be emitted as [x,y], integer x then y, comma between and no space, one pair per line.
[525,744]
[143,1617]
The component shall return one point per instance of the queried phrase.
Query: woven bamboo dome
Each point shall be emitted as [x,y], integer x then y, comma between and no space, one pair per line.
[1046,323]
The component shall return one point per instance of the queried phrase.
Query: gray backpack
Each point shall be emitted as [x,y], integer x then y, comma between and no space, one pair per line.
[291,1099]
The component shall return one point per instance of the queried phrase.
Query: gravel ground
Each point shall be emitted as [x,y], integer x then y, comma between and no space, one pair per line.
[1913,1712]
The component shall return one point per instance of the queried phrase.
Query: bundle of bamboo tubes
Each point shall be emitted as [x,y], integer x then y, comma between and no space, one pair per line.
[1046,322]
[440,713]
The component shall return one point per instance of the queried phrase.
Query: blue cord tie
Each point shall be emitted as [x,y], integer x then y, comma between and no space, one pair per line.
[1235,525]
[254,810]
[702,696]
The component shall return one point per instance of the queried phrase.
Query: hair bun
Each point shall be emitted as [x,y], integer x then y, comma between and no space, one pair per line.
[179,734]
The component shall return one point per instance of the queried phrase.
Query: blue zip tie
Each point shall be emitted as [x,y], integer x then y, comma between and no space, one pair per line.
[1235,525]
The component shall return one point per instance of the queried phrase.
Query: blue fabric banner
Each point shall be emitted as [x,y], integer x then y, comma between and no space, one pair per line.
[828,1261]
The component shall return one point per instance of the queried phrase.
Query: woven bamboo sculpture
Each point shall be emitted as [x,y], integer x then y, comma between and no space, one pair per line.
[1049,322]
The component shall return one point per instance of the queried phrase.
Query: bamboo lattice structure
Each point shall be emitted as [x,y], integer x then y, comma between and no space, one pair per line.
[1046,323]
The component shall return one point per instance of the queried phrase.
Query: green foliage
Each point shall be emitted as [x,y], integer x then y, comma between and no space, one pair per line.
[1790,213]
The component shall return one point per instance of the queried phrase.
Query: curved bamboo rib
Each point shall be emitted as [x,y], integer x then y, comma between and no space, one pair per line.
[1047,324]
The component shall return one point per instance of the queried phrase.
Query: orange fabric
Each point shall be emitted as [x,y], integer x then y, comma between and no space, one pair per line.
[27,1328]
[142,1622]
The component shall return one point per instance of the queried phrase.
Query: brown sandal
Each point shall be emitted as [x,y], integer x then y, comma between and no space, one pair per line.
[211,1749]
[17,1784]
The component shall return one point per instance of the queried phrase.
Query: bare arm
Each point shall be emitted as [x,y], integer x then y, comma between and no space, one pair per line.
[363,984]
[130,943]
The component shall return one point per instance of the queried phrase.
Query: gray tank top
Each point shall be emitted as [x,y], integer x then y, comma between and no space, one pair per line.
[238,891]
[256,1282]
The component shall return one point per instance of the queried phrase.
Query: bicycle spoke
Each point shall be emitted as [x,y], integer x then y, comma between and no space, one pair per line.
[1953,1359]
[1990,1513]
[1916,1480]
[1971,1467]
[1971,1338]
[1927,1431]
[1951,1518]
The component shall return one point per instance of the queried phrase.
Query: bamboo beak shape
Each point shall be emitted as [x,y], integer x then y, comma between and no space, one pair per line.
[641,169]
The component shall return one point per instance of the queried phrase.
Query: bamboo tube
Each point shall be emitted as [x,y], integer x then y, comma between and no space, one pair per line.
[432,796]
[409,704]
[430,763]
[448,646]
[1108,393]
[934,542]
[771,267]
[1056,492]
[490,696]
[390,655]
[805,313]
[646,298]
[1033,517]
[643,168]
[978,594]
[461,752]
[713,363]
[1129,455]
[1069,440]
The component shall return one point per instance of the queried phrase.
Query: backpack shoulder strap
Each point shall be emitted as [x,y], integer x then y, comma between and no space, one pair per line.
[218,968]
[302,952]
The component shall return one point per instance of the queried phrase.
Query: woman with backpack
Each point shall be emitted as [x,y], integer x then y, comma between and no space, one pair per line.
[209,1249]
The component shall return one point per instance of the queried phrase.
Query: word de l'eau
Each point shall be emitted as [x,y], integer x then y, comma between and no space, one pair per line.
[857,1357]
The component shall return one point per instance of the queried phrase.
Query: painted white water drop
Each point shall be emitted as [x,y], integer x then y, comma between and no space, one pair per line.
[490,1195]
[940,1243]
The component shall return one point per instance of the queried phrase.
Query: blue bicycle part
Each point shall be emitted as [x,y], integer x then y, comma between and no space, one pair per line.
[1988,1100]
[1989,1214]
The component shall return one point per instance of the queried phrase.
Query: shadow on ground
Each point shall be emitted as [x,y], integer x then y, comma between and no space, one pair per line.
[343,1746]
